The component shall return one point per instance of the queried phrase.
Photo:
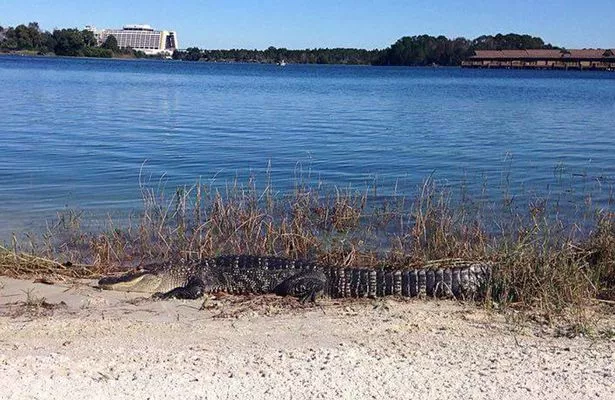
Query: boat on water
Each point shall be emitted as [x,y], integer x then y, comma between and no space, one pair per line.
[282,63]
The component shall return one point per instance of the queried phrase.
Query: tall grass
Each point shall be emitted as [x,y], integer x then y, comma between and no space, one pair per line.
[543,261]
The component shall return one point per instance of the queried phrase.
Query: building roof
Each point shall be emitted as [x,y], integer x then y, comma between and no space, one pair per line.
[545,54]
[590,53]
[138,27]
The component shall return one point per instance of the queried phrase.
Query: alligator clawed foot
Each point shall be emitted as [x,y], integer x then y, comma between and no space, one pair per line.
[310,295]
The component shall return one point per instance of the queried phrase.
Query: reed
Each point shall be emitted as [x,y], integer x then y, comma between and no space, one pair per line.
[544,263]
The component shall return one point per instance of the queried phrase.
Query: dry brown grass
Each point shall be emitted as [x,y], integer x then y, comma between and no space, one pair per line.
[19,264]
[544,264]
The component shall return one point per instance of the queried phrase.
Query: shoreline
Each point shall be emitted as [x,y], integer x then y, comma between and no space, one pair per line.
[422,67]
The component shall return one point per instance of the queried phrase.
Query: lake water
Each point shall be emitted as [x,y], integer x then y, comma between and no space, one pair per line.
[77,132]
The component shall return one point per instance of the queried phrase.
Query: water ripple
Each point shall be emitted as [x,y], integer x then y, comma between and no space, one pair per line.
[76,132]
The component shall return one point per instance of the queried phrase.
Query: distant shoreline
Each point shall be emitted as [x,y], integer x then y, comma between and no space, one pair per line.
[27,53]
[135,59]
[54,56]
[417,50]
[500,51]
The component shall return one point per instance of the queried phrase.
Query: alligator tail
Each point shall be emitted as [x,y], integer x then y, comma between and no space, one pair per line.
[467,281]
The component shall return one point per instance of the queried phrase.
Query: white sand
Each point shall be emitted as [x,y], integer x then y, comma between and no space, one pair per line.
[106,345]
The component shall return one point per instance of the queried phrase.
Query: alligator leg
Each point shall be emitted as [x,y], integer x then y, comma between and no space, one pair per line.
[194,289]
[304,285]
[311,290]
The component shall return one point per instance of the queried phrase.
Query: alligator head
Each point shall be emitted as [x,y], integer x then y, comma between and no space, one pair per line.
[155,278]
[141,281]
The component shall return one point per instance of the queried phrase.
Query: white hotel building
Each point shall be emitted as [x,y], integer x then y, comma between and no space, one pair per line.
[140,37]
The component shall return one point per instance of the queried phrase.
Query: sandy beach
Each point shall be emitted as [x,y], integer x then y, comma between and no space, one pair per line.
[71,341]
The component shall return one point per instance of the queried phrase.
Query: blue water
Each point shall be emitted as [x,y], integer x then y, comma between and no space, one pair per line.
[78,133]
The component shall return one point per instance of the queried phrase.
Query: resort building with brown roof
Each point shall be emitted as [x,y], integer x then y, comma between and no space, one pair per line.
[591,59]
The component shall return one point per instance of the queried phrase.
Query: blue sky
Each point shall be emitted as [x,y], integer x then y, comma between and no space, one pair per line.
[329,23]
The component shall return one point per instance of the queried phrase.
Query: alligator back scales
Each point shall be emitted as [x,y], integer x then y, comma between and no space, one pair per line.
[447,278]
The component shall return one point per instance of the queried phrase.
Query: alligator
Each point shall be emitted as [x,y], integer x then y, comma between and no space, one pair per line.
[303,279]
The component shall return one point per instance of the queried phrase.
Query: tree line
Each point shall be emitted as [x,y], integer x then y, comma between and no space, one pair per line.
[276,55]
[61,42]
[408,51]
[429,50]
[419,50]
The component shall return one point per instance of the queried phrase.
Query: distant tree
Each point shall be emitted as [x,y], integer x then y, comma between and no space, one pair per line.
[429,50]
[511,41]
[49,43]
[97,52]
[7,41]
[192,54]
[69,42]
[24,37]
[89,39]
[412,50]
[37,37]
[111,44]
[323,58]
